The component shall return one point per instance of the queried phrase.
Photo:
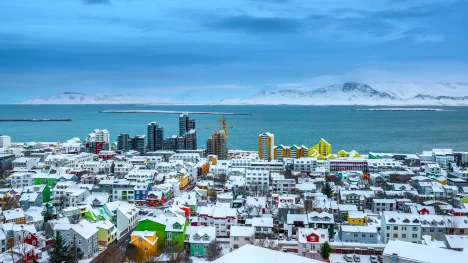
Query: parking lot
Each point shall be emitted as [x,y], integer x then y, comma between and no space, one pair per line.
[338,258]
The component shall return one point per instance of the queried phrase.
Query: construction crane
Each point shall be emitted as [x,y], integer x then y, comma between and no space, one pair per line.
[224,126]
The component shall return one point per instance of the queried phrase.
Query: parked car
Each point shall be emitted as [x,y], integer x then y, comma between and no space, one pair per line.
[348,258]
[374,259]
[380,259]
[356,258]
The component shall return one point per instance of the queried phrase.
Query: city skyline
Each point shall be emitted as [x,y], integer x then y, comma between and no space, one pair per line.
[219,49]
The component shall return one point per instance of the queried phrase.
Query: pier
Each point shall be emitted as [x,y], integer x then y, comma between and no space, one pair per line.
[33,120]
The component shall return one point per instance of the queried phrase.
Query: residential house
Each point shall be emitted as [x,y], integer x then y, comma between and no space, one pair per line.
[170,228]
[146,243]
[107,233]
[30,199]
[310,242]
[199,237]
[358,234]
[401,226]
[16,216]
[356,218]
[379,205]
[240,236]
[222,218]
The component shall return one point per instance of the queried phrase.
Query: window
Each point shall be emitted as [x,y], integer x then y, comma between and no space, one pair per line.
[140,239]
[236,238]
[395,228]
[236,246]
[246,238]
[80,242]
[415,228]
[403,236]
[146,248]
[415,235]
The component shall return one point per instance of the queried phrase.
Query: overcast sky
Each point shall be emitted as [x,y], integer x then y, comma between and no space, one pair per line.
[211,49]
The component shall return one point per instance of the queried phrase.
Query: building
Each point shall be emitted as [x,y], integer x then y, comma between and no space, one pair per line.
[216,145]
[310,242]
[257,178]
[199,237]
[397,251]
[5,141]
[145,242]
[348,165]
[281,185]
[155,136]
[266,142]
[380,205]
[432,169]
[98,136]
[443,156]
[222,218]
[170,229]
[187,132]
[358,234]
[254,254]
[357,218]
[241,236]
[401,226]
[123,142]
[323,148]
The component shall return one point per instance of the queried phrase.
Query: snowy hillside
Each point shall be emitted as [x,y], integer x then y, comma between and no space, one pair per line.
[351,93]
[80,98]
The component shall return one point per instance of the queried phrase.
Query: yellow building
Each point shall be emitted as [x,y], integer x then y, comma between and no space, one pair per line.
[342,154]
[323,147]
[356,218]
[282,151]
[183,177]
[266,142]
[146,243]
[354,154]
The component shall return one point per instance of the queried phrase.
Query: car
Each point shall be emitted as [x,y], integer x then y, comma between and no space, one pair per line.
[356,258]
[380,259]
[373,259]
[348,258]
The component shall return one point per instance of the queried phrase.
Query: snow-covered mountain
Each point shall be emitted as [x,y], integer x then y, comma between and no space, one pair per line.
[352,93]
[80,98]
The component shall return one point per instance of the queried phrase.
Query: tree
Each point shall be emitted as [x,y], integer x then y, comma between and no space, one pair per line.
[452,223]
[310,203]
[328,189]
[222,179]
[262,240]
[59,251]
[211,193]
[174,254]
[48,213]
[258,210]
[59,203]
[213,251]
[325,251]
[11,203]
[249,209]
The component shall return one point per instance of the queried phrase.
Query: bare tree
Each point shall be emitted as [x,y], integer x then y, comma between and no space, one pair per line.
[59,203]
[310,203]
[452,223]
[271,207]
[74,219]
[249,209]
[222,178]
[258,209]
[262,240]
[174,254]
[213,251]
[211,193]
[11,203]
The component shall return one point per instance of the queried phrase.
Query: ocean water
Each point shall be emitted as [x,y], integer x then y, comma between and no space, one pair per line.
[344,128]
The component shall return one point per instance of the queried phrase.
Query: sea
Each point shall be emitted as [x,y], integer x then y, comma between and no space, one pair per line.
[345,127]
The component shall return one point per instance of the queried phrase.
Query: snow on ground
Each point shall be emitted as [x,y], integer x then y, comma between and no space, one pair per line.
[335,258]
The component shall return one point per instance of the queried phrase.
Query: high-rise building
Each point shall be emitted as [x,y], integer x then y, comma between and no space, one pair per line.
[191,140]
[98,136]
[138,143]
[185,124]
[155,137]
[124,142]
[5,141]
[266,142]
[216,145]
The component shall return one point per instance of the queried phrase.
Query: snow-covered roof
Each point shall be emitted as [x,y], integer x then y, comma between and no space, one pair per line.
[456,242]
[421,253]
[358,229]
[242,231]
[13,214]
[262,222]
[252,254]
[85,229]
[201,234]
[304,232]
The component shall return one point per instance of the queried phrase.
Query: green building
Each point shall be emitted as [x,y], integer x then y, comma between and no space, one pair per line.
[199,237]
[169,230]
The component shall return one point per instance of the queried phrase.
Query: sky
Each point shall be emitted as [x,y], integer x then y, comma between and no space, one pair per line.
[209,50]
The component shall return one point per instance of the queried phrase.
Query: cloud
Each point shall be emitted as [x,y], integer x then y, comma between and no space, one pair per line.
[96,2]
[144,26]
[258,25]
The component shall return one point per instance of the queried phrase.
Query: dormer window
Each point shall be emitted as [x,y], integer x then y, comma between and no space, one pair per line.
[206,237]
[406,221]
[392,220]
[416,221]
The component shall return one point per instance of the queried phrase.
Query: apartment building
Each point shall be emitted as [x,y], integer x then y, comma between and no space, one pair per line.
[380,205]
[401,226]
[281,185]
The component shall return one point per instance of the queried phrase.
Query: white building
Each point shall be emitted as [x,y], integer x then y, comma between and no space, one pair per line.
[310,242]
[443,156]
[432,169]
[25,162]
[222,218]
[240,236]
[21,180]
[404,252]
[5,141]
[401,226]
[121,168]
[380,205]
[74,196]
[98,136]
[257,178]
[281,185]
[141,175]
[304,164]
[185,157]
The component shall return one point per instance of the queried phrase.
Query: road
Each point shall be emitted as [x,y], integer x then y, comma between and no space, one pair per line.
[111,255]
